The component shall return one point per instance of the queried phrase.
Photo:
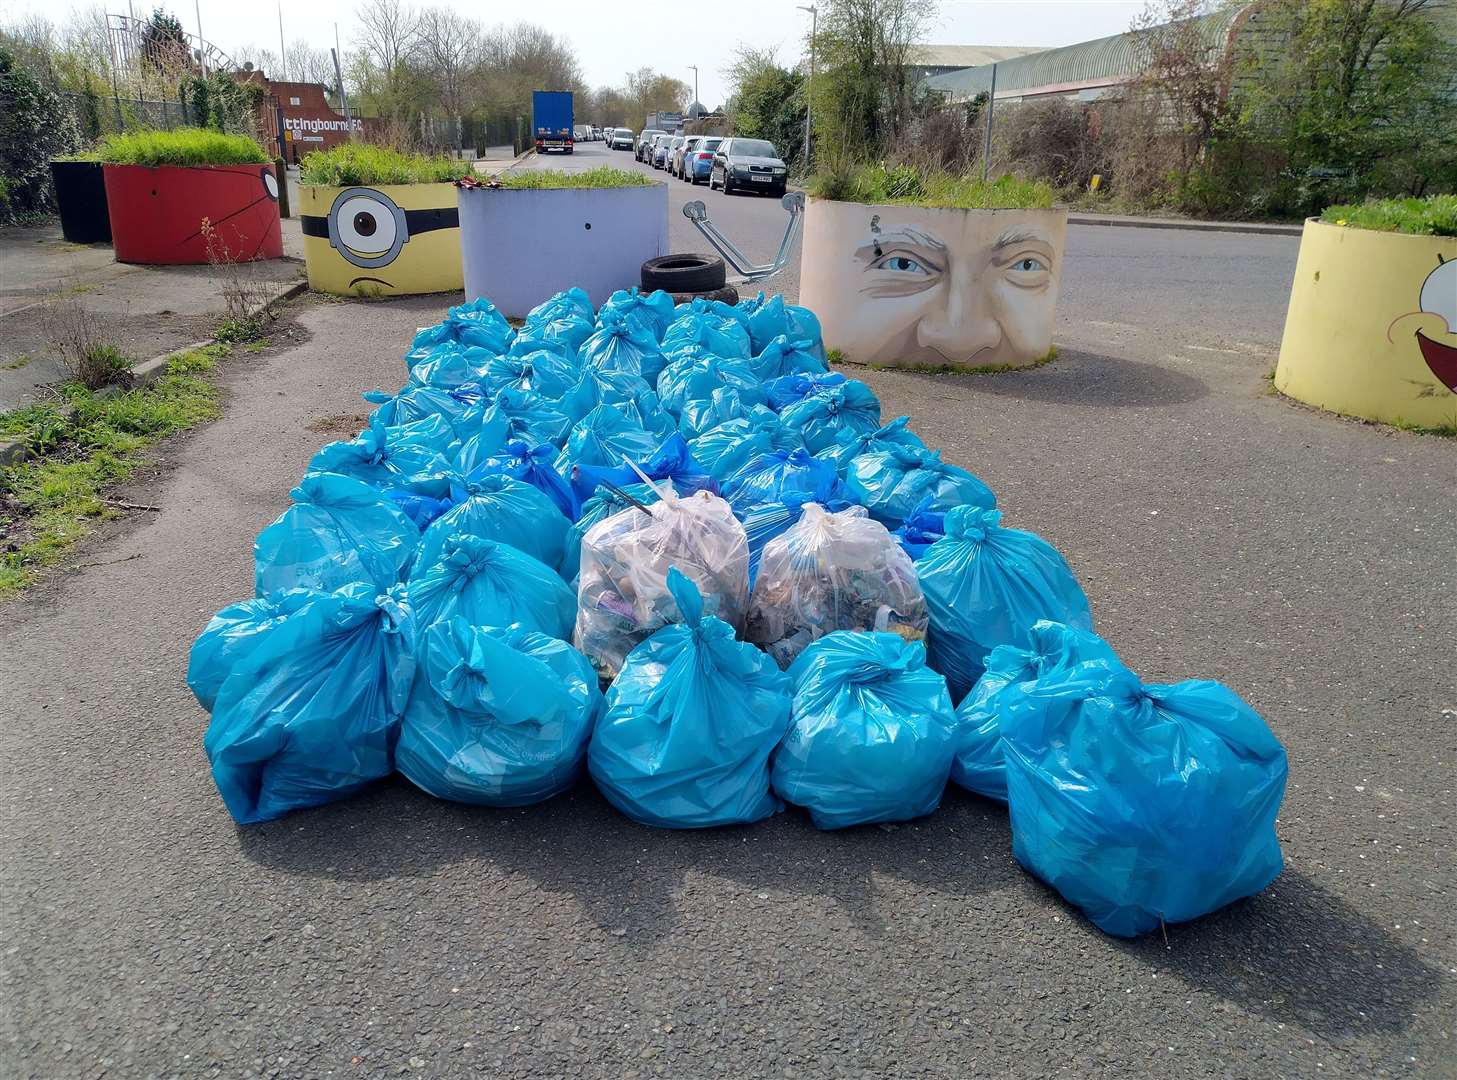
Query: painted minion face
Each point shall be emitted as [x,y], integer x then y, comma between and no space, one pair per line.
[385,247]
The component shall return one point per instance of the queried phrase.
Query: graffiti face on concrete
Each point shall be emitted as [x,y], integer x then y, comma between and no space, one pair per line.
[913,285]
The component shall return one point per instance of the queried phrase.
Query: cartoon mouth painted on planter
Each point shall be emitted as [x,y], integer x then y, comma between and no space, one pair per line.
[1439,298]
[985,299]
[369,230]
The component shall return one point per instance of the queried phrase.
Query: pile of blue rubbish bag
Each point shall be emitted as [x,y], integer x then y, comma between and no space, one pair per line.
[786,598]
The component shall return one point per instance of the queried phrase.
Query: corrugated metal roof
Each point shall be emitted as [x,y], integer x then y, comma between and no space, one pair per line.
[1100,62]
[964,56]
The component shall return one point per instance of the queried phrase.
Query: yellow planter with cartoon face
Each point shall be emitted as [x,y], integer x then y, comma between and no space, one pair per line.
[384,240]
[1372,326]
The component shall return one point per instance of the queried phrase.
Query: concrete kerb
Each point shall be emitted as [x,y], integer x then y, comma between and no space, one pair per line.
[147,371]
[1128,222]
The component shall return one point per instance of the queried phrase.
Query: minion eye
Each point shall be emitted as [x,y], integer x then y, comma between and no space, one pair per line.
[270,185]
[366,225]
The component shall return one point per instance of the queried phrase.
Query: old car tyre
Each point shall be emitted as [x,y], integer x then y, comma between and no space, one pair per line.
[688,273]
[727,295]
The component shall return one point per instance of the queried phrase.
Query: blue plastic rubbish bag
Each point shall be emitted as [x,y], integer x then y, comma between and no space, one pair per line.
[987,586]
[690,377]
[461,407]
[822,415]
[872,733]
[490,583]
[893,481]
[537,466]
[498,507]
[231,636]
[690,724]
[546,372]
[478,322]
[773,318]
[387,464]
[606,435]
[571,302]
[721,335]
[785,391]
[783,356]
[311,716]
[922,528]
[850,444]
[339,530]
[671,462]
[773,476]
[1142,803]
[567,330]
[725,403]
[449,366]
[979,764]
[727,447]
[531,417]
[500,716]
[622,346]
[644,311]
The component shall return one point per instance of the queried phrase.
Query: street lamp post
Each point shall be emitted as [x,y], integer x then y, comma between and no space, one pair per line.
[814,23]
[694,68]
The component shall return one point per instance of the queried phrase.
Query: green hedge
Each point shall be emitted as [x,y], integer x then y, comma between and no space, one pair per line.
[1435,215]
[905,185]
[362,163]
[184,146]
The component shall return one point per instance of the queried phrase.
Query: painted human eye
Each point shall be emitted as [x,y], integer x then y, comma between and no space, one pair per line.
[1028,264]
[366,225]
[902,264]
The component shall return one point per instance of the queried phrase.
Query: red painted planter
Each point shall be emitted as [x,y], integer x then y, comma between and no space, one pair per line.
[157,213]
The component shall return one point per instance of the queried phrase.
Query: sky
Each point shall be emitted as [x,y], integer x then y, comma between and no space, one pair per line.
[613,39]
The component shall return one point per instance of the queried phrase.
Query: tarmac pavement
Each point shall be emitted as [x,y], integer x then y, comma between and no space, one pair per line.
[1218,530]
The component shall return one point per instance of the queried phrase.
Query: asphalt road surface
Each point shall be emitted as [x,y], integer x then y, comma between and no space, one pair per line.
[1219,531]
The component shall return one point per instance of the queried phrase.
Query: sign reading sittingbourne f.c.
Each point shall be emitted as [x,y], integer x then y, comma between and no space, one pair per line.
[310,124]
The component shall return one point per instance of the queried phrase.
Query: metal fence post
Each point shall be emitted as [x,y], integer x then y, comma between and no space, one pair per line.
[986,153]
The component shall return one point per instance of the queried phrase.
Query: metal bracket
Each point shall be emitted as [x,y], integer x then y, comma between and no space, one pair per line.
[793,203]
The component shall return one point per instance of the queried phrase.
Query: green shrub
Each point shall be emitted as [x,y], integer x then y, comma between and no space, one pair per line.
[1435,215]
[34,127]
[185,146]
[604,176]
[905,185]
[363,163]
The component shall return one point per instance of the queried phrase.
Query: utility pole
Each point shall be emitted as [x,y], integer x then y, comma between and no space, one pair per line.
[201,52]
[814,26]
[343,97]
[282,52]
[986,152]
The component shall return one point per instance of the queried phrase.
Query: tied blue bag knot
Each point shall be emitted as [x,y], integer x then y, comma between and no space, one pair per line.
[500,716]
[491,584]
[985,586]
[872,732]
[1011,670]
[690,723]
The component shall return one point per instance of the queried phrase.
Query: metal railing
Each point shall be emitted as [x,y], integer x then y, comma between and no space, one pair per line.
[793,203]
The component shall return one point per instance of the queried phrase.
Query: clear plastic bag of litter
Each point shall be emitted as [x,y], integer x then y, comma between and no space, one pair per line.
[828,572]
[622,589]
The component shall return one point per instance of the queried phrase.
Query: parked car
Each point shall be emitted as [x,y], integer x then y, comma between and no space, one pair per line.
[748,164]
[644,139]
[681,154]
[657,152]
[670,154]
[698,163]
[621,139]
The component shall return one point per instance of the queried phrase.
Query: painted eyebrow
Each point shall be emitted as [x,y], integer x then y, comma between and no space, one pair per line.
[1008,239]
[904,234]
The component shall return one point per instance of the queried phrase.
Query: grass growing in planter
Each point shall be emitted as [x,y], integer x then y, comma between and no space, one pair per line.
[905,185]
[185,146]
[1435,215]
[604,176]
[351,164]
